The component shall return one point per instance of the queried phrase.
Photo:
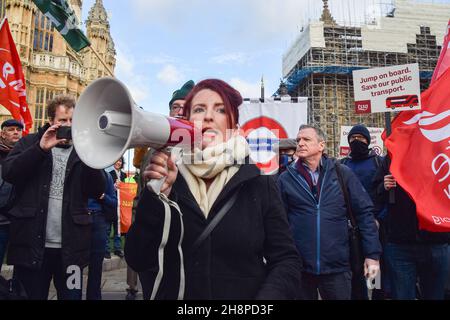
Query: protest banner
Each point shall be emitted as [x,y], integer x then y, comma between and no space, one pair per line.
[395,88]
[127,192]
[264,123]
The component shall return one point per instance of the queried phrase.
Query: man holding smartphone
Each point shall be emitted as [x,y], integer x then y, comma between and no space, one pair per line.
[51,226]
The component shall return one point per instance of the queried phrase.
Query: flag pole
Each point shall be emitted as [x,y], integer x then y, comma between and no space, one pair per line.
[101,60]
[387,117]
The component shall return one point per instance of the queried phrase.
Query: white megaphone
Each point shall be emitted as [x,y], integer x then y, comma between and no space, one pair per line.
[106,123]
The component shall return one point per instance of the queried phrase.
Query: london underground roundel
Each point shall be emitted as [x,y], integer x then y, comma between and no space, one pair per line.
[262,133]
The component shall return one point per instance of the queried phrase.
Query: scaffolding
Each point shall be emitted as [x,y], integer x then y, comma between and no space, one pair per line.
[324,75]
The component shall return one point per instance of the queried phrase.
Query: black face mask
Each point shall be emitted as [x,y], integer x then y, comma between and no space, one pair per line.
[359,150]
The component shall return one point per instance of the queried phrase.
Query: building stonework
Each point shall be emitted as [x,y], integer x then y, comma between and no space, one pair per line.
[49,64]
[320,63]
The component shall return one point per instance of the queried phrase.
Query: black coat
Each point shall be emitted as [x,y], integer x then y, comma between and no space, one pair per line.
[29,168]
[113,174]
[229,263]
[6,193]
[402,226]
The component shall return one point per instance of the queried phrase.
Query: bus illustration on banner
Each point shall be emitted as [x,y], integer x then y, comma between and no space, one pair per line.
[402,101]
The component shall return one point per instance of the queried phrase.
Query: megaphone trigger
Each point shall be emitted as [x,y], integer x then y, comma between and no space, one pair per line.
[155,185]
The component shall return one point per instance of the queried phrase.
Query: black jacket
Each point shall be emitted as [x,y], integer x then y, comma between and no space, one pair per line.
[229,263]
[402,226]
[6,192]
[113,174]
[29,168]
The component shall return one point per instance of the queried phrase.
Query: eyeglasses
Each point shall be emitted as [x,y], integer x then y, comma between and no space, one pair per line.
[176,107]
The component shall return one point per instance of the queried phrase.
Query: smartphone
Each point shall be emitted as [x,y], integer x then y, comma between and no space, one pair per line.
[64,132]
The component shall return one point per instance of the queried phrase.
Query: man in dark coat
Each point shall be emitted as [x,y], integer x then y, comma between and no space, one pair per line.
[98,208]
[364,163]
[316,207]
[11,133]
[410,253]
[50,222]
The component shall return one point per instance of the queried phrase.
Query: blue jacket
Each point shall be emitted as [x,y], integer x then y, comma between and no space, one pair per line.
[110,199]
[365,170]
[320,227]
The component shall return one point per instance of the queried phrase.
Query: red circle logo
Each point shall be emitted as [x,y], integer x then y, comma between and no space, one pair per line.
[261,134]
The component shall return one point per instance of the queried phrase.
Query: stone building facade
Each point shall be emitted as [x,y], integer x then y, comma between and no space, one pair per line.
[49,64]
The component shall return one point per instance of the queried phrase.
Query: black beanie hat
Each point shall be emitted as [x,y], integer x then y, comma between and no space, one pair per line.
[181,93]
[360,129]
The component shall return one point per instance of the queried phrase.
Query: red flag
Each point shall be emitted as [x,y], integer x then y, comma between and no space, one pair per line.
[444,57]
[12,82]
[419,147]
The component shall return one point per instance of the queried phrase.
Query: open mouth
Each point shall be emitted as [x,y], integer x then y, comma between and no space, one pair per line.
[209,131]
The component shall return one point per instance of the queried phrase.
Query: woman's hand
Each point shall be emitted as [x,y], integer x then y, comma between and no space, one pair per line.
[162,166]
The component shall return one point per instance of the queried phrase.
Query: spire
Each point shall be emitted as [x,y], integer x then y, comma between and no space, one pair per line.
[326,17]
[262,87]
[98,13]
[98,25]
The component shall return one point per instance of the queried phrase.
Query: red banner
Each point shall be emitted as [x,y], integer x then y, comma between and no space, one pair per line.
[444,58]
[419,147]
[126,197]
[12,82]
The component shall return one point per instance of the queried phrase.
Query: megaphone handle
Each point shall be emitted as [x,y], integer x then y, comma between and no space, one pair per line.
[155,185]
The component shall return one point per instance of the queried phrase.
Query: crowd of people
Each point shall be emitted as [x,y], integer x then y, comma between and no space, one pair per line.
[219,229]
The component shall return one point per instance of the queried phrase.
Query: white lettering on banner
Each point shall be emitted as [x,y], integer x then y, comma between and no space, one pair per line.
[425,119]
[8,69]
[438,167]
[19,87]
[15,104]
[445,163]
[52,19]
[440,220]
[65,6]
[71,24]
[74,280]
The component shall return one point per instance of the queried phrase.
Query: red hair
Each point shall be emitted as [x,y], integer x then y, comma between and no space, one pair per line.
[232,99]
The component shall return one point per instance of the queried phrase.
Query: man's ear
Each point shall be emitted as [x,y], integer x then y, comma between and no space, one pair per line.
[322,145]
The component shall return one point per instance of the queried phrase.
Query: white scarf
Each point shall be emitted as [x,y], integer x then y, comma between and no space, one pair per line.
[220,162]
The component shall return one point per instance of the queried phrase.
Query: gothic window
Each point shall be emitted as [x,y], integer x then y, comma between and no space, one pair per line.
[43,33]
[2,8]
[39,108]
[43,95]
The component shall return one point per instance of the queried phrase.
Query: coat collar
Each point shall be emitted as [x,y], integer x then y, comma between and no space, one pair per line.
[245,173]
